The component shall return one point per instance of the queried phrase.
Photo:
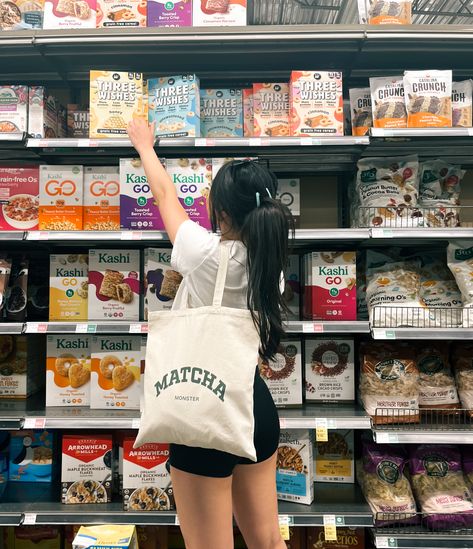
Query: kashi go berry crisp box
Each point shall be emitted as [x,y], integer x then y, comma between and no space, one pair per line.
[20,198]
[163,13]
[221,113]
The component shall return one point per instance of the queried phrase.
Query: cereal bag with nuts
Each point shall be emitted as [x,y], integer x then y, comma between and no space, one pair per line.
[20,197]
[462,93]
[388,104]
[271,110]
[361,111]
[101,198]
[462,360]
[31,456]
[68,287]
[460,262]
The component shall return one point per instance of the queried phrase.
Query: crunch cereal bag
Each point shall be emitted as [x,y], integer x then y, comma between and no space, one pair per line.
[462,104]
[271,109]
[361,112]
[387,100]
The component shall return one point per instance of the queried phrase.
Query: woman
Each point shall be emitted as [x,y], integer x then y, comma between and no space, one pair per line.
[211,486]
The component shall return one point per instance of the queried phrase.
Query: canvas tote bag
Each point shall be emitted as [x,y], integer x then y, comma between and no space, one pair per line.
[199,375]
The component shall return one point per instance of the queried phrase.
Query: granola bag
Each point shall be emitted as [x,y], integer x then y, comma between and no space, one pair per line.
[462,93]
[428,96]
[388,103]
[389,383]
[462,359]
[361,112]
[460,262]
[440,487]
[385,12]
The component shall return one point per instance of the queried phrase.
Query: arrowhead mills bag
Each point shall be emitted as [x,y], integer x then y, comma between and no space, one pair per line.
[199,375]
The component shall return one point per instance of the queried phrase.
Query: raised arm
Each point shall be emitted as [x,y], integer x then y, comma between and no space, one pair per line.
[163,189]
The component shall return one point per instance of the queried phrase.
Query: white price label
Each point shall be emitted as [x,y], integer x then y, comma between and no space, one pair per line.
[282,423]
[306,141]
[131,235]
[38,235]
[330,528]
[36,328]
[386,438]
[82,328]
[135,329]
[321,429]
[255,141]
[135,423]
[83,143]
[284,527]
[34,423]
[176,521]
[470,131]
[376,232]
[385,542]
[200,142]
[29,519]
[317,142]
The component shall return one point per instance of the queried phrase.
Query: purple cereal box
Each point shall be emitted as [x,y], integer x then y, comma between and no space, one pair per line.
[162,13]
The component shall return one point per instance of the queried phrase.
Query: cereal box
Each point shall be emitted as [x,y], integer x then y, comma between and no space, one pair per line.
[21,14]
[174,105]
[68,370]
[333,285]
[13,108]
[221,113]
[31,456]
[347,538]
[60,198]
[283,374]
[161,281]
[162,13]
[334,459]
[114,284]
[316,103]
[121,13]
[77,121]
[192,178]
[146,481]
[271,109]
[248,114]
[115,99]
[68,287]
[361,111]
[295,466]
[69,14]
[43,112]
[102,198]
[292,288]
[461,104]
[86,468]
[108,536]
[116,372]
[32,537]
[289,193]
[330,370]
[219,13]
[22,360]
[19,198]
[387,102]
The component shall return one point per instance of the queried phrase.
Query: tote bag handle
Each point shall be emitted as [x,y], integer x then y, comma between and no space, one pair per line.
[221,276]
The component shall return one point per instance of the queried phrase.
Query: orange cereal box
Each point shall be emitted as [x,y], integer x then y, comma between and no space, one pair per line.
[271,109]
[101,198]
[316,103]
[60,198]
[248,116]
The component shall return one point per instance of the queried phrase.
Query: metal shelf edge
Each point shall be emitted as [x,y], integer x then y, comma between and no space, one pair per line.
[422,333]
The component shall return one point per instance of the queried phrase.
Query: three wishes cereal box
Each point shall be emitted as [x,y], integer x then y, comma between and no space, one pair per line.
[102,198]
[70,14]
[174,105]
[248,113]
[68,287]
[121,13]
[13,109]
[86,468]
[19,198]
[146,481]
[219,13]
[271,109]
[43,113]
[221,113]
[114,284]
[115,99]
[117,363]
[77,121]
[161,281]
[316,103]
[60,198]
[68,370]
[31,456]
[165,13]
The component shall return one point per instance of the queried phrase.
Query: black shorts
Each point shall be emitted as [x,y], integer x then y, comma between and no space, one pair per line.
[213,463]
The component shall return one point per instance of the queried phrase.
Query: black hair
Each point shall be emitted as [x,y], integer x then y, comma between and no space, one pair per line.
[245,192]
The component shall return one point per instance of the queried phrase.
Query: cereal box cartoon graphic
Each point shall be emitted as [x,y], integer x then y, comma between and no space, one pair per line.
[121,13]
[163,13]
[271,109]
[13,109]
[174,105]
[221,113]
[219,13]
[70,14]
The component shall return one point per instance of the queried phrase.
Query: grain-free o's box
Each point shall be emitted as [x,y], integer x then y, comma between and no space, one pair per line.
[101,198]
[20,198]
[68,287]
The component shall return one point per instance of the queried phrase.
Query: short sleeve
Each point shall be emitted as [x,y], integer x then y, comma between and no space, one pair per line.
[192,245]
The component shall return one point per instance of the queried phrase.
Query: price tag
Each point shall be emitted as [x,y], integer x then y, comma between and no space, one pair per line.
[266,141]
[83,143]
[321,429]
[385,542]
[382,233]
[82,328]
[330,528]
[91,328]
[470,131]
[131,235]
[386,438]
[176,521]
[306,141]
[317,142]
[29,519]
[255,141]
[135,423]
[36,328]
[383,334]
[34,423]
[38,235]
[135,329]
[282,422]
[284,527]
[332,424]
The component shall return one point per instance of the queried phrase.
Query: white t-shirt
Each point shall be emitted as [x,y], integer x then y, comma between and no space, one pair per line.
[196,255]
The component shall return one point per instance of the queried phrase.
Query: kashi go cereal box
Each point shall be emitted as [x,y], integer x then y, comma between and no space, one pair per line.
[161,281]
[316,103]
[162,13]
[31,456]
[114,284]
[20,198]
[86,468]
[117,363]
[13,109]
[68,287]
[77,121]
[221,113]
[68,370]
[43,113]
[101,198]
[70,14]
[248,114]
[60,198]
[146,481]
[174,105]
[115,99]
[219,13]
[121,13]
[271,110]
[192,178]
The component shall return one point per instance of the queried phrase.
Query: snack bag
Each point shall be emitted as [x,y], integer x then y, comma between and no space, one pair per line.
[385,12]
[462,104]
[361,111]
[460,262]
[388,103]
[462,359]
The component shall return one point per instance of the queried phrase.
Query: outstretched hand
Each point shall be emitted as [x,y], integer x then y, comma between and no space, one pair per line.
[141,134]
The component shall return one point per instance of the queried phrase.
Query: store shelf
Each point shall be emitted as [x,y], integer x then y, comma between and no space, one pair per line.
[335,327]
[12,328]
[423,333]
[90,327]
[455,436]
[96,236]
[421,132]
[424,540]
[332,235]
[337,416]
[16,236]
[9,137]
[422,233]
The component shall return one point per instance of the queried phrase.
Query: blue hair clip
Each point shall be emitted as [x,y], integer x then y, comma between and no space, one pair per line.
[269,194]
[258,200]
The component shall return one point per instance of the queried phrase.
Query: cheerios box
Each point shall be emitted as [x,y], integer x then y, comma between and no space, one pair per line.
[86,470]
[117,363]
[316,103]
[161,281]
[31,456]
[102,198]
[219,13]
[271,109]
[20,198]
[60,198]
[174,105]
[121,13]
[221,113]
[68,286]
[114,285]
[68,370]
[146,481]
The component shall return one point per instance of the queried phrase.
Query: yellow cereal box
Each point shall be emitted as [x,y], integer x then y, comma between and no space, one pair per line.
[115,99]
[316,103]
[101,198]
[68,287]
[60,198]
[271,109]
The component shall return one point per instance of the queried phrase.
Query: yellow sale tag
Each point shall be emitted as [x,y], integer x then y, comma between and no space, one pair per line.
[284,527]
[321,430]
[330,531]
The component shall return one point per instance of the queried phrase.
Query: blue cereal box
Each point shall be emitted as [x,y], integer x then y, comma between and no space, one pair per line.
[174,105]
[31,456]
[221,113]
